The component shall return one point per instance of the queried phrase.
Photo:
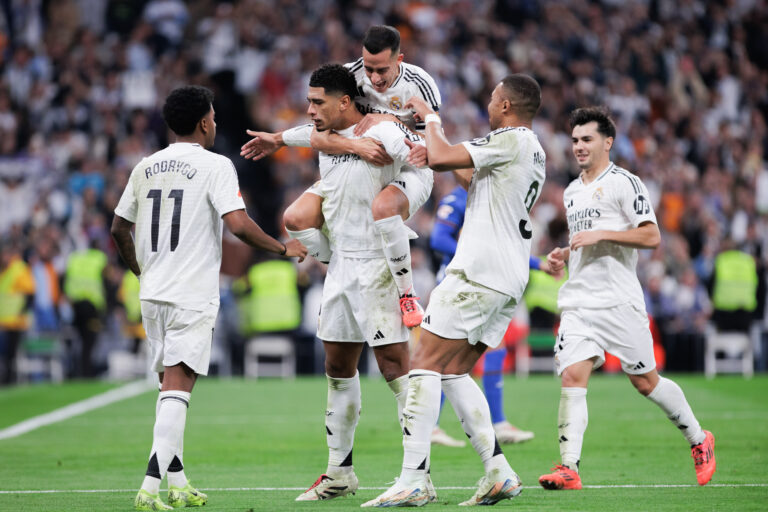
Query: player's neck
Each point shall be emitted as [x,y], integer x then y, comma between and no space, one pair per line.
[195,138]
[512,121]
[349,119]
[589,175]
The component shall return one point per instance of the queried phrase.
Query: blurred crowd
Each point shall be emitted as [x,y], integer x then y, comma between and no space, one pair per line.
[82,83]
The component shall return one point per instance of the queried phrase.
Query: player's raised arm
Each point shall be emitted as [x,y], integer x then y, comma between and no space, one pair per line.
[244,228]
[441,154]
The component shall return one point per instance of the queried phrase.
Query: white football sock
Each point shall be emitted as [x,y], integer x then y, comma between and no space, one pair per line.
[169,429]
[399,387]
[315,241]
[471,407]
[419,417]
[671,399]
[397,250]
[341,418]
[572,419]
[176,476]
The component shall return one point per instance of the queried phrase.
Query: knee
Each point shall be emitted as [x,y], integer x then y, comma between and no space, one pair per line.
[293,219]
[339,370]
[390,203]
[643,386]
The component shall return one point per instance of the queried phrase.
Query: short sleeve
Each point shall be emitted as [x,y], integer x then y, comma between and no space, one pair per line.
[128,206]
[634,200]
[225,190]
[493,150]
[298,136]
[393,136]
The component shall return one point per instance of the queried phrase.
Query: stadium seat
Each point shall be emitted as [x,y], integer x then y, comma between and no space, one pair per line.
[270,356]
[40,358]
[535,353]
[737,349]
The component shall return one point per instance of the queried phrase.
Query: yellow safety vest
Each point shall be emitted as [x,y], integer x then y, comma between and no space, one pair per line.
[735,282]
[273,304]
[83,280]
[542,291]
[16,282]
[129,296]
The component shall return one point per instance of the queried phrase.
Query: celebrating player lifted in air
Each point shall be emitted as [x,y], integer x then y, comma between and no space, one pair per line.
[177,199]
[359,295]
[471,308]
[609,217]
[384,83]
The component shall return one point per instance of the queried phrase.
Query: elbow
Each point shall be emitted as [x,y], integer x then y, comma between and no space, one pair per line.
[654,238]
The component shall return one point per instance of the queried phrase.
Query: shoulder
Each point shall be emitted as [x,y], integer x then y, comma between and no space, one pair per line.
[422,82]
[622,178]
[391,128]
[357,69]
[496,135]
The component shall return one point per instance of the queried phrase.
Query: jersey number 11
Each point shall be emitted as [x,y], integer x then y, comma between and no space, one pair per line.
[156,195]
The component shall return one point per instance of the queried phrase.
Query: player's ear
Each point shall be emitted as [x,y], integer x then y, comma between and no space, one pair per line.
[400,58]
[608,143]
[344,102]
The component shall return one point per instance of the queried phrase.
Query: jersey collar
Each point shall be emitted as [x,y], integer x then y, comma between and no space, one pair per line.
[399,76]
[608,169]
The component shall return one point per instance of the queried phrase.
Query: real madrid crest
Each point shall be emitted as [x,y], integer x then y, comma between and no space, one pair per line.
[395,103]
[598,195]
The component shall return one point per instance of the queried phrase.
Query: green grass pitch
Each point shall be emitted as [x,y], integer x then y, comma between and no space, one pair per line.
[254,445]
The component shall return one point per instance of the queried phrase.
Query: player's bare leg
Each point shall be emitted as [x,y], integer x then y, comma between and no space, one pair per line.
[343,396]
[390,208]
[304,220]
[670,398]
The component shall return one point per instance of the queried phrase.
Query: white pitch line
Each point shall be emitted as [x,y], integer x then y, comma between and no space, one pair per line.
[237,489]
[114,395]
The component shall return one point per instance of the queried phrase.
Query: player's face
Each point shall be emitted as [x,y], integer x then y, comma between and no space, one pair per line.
[382,68]
[590,147]
[210,122]
[323,108]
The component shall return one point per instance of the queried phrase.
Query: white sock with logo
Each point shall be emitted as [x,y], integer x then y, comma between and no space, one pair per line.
[317,244]
[341,417]
[169,430]
[671,399]
[572,419]
[471,407]
[422,408]
[399,387]
[397,250]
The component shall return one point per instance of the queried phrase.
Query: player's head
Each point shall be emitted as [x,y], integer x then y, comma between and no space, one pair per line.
[516,95]
[188,112]
[381,56]
[332,90]
[592,135]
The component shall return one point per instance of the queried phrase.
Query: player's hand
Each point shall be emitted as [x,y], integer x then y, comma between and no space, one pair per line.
[419,107]
[585,239]
[372,151]
[368,121]
[555,261]
[546,266]
[417,157]
[294,248]
[262,144]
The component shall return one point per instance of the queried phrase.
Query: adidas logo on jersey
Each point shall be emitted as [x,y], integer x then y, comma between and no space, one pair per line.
[378,336]
[399,182]
[427,319]
[638,366]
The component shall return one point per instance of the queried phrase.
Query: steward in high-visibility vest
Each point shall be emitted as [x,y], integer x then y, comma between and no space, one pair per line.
[735,282]
[272,301]
[128,295]
[17,287]
[541,298]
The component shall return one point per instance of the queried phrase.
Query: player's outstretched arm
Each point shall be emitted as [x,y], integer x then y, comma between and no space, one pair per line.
[244,228]
[121,232]
[370,150]
[441,154]
[262,144]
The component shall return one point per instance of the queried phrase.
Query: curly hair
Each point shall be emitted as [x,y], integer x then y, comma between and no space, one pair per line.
[605,125]
[335,79]
[185,107]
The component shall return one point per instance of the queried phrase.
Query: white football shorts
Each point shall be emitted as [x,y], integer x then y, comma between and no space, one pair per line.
[590,332]
[416,184]
[462,309]
[177,335]
[360,303]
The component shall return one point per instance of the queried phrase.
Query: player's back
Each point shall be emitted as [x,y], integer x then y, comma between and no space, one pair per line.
[178,196]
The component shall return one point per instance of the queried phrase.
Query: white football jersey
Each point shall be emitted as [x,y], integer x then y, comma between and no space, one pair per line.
[411,81]
[176,197]
[604,275]
[495,242]
[349,185]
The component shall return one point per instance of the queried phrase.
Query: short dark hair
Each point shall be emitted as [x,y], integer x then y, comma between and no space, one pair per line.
[605,125]
[524,93]
[380,37]
[335,79]
[185,107]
